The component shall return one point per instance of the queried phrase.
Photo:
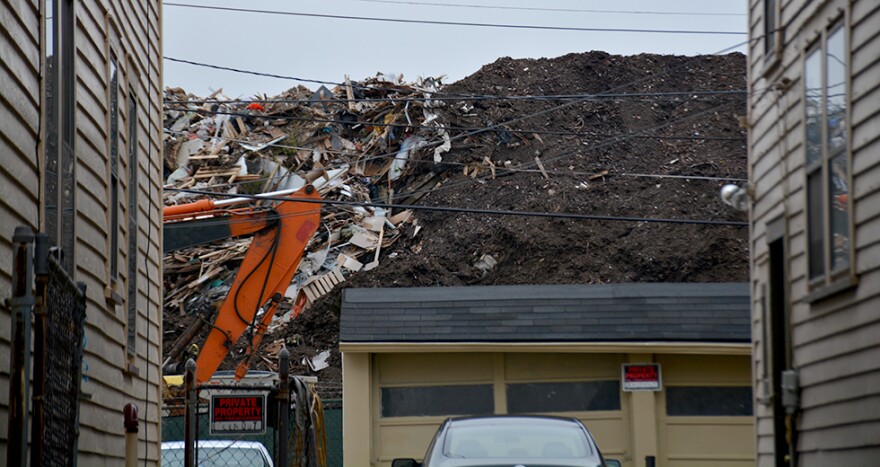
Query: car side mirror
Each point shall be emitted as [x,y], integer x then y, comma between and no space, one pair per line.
[411,463]
[612,463]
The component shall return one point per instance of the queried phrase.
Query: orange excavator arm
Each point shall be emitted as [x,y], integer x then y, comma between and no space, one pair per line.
[280,238]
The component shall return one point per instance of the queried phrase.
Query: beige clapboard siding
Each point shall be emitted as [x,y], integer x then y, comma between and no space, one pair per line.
[19,134]
[101,439]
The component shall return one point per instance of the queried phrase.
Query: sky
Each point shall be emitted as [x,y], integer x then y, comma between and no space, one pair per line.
[327,49]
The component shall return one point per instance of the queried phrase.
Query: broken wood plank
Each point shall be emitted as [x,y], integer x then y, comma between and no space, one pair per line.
[541,167]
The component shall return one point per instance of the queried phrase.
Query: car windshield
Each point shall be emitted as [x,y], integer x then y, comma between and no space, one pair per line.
[520,441]
[217,457]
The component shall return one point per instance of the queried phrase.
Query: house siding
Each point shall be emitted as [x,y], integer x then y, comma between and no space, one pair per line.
[113,377]
[835,343]
[19,135]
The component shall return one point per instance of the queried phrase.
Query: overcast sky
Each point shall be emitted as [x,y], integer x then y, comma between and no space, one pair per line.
[326,49]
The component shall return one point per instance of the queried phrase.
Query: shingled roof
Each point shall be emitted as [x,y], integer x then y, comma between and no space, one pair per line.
[671,312]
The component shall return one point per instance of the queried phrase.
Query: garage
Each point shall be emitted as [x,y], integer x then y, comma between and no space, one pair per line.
[656,371]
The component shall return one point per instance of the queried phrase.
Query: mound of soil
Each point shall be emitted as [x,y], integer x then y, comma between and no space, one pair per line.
[646,153]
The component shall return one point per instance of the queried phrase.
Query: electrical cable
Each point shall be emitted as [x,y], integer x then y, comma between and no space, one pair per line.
[564,155]
[355,123]
[558,107]
[496,212]
[500,169]
[435,95]
[456,23]
[444,96]
[561,10]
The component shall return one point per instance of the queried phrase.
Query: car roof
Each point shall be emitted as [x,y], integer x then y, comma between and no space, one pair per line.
[513,420]
[216,443]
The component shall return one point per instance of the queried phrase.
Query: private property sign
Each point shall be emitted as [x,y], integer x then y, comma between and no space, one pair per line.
[238,414]
[641,377]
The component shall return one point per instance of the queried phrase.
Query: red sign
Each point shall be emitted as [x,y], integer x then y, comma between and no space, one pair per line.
[238,414]
[641,377]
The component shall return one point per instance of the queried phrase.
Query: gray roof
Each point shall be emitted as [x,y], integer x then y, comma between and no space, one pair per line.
[674,312]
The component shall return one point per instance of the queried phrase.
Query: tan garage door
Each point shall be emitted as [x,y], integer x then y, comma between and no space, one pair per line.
[414,393]
[705,412]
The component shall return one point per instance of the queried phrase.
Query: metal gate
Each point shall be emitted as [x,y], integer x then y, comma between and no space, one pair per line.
[246,423]
[51,315]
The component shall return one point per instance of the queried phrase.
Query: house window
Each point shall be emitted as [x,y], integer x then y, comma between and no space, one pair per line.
[577,396]
[709,401]
[60,163]
[827,159]
[422,401]
[132,220]
[114,169]
[770,15]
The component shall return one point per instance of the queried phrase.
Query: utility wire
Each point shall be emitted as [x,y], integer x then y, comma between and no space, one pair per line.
[498,169]
[428,127]
[442,96]
[562,10]
[456,23]
[494,212]
[434,95]
[567,104]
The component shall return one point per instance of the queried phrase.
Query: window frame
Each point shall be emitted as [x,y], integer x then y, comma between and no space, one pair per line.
[772,42]
[132,216]
[600,388]
[59,155]
[693,407]
[829,279]
[390,394]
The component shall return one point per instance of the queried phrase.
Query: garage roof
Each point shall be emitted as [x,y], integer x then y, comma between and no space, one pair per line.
[679,312]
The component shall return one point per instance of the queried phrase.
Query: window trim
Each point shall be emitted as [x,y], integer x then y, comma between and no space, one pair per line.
[772,53]
[830,281]
[132,217]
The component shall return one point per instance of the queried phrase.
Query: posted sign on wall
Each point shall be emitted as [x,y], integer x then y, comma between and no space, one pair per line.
[641,377]
[238,414]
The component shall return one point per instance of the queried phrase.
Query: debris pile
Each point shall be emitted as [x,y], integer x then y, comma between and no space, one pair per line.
[352,143]
[641,144]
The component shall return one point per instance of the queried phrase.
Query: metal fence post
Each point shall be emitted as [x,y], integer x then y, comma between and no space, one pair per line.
[41,274]
[21,302]
[283,407]
[190,414]
[130,422]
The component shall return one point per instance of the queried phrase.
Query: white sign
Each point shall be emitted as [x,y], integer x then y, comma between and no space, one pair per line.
[641,377]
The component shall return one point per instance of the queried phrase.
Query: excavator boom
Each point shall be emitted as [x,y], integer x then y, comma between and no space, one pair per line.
[280,238]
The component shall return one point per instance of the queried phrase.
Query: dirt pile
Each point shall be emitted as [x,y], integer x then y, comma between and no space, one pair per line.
[620,160]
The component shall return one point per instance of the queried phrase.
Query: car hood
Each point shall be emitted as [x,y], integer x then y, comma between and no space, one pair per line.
[514,463]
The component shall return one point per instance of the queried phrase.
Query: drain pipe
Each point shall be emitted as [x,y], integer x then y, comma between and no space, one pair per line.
[130,414]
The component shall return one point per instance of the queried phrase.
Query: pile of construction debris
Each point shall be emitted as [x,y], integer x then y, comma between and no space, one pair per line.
[639,139]
[352,143]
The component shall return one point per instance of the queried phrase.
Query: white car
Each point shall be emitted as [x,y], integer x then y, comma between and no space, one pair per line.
[219,453]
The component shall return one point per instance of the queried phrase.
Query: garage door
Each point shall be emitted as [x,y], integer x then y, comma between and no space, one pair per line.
[705,412]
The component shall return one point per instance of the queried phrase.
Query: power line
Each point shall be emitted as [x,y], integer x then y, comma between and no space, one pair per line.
[494,212]
[428,127]
[435,95]
[462,164]
[445,97]
[456,23]
[562,10]
[568,104]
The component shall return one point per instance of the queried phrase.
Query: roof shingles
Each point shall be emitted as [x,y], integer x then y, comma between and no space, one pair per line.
[675,312]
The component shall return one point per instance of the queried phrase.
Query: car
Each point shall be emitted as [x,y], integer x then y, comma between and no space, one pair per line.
[511,440]
[219,453]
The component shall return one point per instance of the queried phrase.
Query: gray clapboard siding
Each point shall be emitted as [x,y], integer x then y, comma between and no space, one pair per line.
[837,340]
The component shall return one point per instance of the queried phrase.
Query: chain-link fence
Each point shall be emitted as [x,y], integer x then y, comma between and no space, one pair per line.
[65,309]
[314,430]
[333,430]
[219,446]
